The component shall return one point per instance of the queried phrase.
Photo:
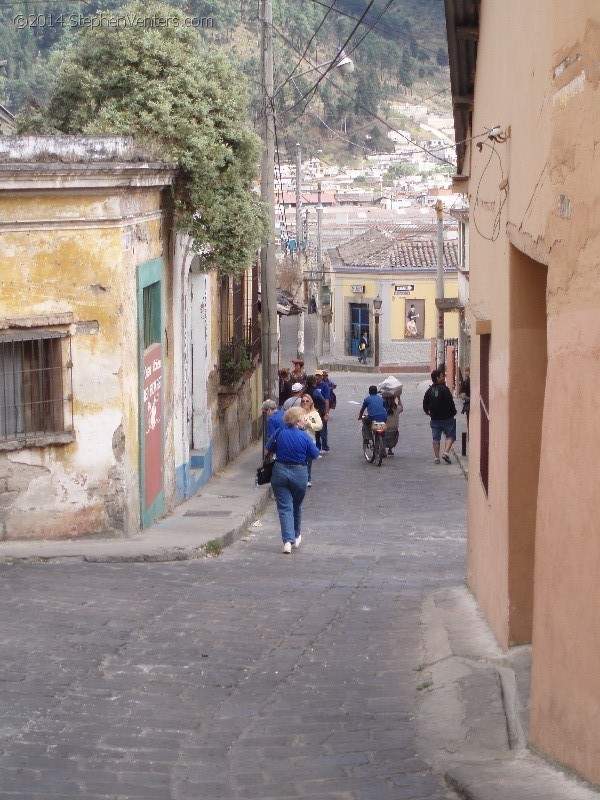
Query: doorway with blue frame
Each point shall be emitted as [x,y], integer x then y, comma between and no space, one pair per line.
[359,325]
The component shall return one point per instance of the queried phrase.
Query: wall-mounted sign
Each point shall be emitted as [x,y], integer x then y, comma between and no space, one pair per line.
[357,289]
[404,288]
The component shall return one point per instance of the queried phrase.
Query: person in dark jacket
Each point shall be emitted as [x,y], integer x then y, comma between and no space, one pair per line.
[293,447]
[438,404]
[285,386]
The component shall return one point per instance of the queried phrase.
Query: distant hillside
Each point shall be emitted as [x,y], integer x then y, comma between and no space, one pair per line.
[399,50]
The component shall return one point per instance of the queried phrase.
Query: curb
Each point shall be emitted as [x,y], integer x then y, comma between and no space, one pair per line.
[210,516]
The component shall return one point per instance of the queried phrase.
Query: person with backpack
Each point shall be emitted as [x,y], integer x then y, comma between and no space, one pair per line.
[321,405]
[438,404]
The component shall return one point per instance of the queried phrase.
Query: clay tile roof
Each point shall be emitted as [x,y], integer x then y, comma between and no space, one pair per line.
[397,247]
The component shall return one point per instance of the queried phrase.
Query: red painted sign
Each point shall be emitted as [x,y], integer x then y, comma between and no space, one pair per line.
[153,423]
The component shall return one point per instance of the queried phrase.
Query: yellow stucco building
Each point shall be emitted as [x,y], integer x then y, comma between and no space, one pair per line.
[127,374]
[396,264]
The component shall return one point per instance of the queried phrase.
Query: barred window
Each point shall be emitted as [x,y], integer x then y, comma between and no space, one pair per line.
[35,386]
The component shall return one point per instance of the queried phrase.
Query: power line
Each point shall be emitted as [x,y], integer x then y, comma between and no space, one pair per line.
[335,133]
[363,108]
[370,28]
[332,64]
[387,29]
[310,41]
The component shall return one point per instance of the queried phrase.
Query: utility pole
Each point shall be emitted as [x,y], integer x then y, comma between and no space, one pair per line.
[439,285]
[319,352]
[299,246]
[268,278]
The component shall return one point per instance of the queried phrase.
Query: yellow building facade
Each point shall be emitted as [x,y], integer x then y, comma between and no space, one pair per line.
[113,406]
[408,316]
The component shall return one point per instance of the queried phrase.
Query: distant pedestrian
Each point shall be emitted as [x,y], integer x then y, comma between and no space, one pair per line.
[314,424]
[293,448]
[363,346]
[285,386]
[323,387]
[438,404]
[332,387]
[298,375]
[274,417]
[318,400]
[464,392]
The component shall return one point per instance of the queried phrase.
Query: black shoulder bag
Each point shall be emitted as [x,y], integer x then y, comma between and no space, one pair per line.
[264,473]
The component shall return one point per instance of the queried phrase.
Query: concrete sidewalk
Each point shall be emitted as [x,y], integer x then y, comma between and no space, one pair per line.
[473,713]
[221,513]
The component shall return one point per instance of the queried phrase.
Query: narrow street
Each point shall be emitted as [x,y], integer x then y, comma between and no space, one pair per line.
[251,675]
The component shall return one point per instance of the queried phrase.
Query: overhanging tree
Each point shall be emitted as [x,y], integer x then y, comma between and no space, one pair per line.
[161,83]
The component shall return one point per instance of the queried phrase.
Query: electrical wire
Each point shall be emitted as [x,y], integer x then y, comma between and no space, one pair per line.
[363,108]
[335,133]
[497,218]
[388,28]
[281,203]
[310,41]
[369,29]
[330,66]
[384,122]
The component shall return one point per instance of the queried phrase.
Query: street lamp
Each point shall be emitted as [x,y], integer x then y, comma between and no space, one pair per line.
[377,303]
[342,63]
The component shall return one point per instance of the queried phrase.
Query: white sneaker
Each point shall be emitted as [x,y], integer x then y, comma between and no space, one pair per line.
[309,483]
[297,542]
[436,461]
[287,547]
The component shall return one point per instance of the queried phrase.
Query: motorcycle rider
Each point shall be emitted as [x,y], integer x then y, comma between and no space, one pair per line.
[372,410]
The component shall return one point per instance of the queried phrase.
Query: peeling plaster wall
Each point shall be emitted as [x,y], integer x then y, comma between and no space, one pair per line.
[76,249]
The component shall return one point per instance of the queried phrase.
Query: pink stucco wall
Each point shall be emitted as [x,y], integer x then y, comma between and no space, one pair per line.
[533,544]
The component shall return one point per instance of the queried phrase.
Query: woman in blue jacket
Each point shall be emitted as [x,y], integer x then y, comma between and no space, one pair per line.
[293,447]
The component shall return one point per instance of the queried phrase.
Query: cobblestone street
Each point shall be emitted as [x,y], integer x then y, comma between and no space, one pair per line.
[250,675]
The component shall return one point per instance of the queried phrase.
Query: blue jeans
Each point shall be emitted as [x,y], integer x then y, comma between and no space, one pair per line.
[322,437]
[446,426]
[289,487]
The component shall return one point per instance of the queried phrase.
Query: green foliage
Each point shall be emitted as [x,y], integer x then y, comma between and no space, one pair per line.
[214,548]
[404,50]
[368,92]
[407,69]
[161,84]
